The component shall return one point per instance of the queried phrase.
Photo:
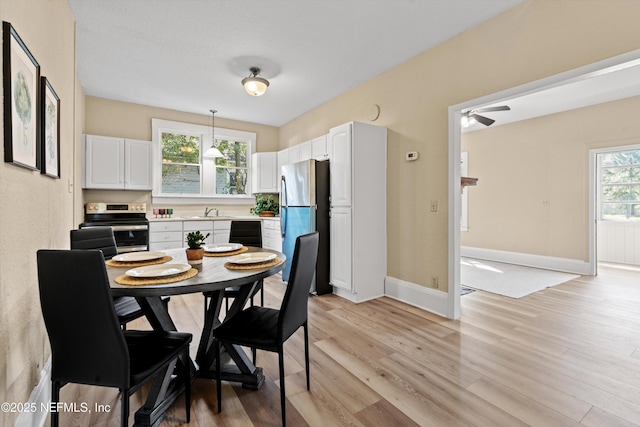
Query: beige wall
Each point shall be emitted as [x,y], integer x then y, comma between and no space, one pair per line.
[536,39]
[37,211]
[532,194]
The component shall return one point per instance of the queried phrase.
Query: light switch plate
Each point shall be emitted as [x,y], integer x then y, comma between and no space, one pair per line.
[411,156]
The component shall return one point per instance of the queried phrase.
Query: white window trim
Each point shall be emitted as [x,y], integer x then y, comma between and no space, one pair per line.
[598,180]
[207,196]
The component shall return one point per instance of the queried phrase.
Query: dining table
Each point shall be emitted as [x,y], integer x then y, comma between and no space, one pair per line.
[213,275]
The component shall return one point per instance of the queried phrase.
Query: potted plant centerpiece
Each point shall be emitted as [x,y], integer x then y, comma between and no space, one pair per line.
[266,205]
[195,253]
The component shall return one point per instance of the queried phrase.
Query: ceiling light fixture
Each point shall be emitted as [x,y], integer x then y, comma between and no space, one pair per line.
[253,84]
[213,152]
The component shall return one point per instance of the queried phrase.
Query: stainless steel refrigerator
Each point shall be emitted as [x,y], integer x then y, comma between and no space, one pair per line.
[304,208]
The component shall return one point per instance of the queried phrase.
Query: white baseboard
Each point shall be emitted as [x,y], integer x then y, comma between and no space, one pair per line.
[528,260]
[418,296]
[40,398]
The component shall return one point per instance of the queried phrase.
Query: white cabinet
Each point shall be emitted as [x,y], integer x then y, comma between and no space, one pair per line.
[204,227]
[340,139]
[340,255]
[319,149]
[117,163]
[294,154]
[283,159]
[165,235]
[358,224]
[271,234]
[304,151]
[221,231]
[264,172]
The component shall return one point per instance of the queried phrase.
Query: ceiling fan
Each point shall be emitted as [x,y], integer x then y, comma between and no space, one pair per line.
[470,117]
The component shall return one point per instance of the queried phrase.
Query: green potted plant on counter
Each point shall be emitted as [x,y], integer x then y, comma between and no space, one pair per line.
[195,253]
[266,205]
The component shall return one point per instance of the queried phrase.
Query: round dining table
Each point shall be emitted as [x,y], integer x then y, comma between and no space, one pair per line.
[212,276]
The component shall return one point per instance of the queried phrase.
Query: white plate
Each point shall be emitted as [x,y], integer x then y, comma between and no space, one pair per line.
[138,256]
[223,247]
[159,270]
[251,257]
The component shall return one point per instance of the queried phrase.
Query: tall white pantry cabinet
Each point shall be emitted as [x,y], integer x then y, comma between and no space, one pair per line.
[358,224]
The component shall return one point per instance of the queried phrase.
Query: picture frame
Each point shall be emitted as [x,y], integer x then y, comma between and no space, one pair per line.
[21,89]
[49,130]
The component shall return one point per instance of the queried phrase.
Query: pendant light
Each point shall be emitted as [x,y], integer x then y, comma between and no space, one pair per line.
[253,84]
[213,152]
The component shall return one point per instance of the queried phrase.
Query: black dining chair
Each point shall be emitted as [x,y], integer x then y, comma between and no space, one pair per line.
[267,328]
[247,233]
[87,344]
[127,308]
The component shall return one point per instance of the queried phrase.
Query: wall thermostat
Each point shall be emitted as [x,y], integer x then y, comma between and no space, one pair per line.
[411,155]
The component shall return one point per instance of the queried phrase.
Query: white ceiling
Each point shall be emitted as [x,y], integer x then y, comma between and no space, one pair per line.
[604,85]
[190,55]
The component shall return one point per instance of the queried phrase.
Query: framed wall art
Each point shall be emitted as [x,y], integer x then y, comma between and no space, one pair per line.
[49,130]
[21,80]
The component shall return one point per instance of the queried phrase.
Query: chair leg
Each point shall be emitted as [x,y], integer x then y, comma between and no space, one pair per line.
[55,398]
[306,352]
[205,305]
[254,352]
[124,408]
[283,399]
[219,377]
[187,384]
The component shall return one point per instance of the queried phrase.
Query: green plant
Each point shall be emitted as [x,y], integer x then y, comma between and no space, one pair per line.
[265,203]
[195,239]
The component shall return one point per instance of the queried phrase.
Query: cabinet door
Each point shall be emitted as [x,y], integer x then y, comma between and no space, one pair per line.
[283,159]
[138,165]
[103,162]
[294,154]
[340,140]
[319,148]
[341,243]
[305,151]
[264,173]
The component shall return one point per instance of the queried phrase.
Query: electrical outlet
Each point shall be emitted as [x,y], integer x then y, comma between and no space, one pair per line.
[434,206]
[434,282]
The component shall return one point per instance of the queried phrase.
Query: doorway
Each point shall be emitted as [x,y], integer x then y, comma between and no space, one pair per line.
[573,77]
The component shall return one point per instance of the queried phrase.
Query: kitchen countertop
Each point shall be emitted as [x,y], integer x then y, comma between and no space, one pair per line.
[208,218]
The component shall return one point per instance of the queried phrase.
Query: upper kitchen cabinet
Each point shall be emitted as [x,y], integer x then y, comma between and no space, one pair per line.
[319,149]
[264,172]
[305,151]
[283,159]
[117,163]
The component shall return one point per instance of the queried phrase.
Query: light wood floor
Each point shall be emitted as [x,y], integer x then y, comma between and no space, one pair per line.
[565,356]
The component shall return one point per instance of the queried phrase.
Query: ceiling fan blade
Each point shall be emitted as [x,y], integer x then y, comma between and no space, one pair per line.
[488,109]
[482,119]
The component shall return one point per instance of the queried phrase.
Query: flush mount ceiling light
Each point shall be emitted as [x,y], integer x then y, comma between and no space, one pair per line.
[213,152]
[253,84]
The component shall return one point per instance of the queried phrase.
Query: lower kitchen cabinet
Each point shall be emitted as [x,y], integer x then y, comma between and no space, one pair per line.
[221,231]
[165,235]
[205,227]
[271,234]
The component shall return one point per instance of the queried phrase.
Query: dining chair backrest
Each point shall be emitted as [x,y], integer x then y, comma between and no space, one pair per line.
[95,238]
[87,344]
[293,311]
[249,233]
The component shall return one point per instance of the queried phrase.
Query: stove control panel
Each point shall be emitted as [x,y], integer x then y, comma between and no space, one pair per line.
[95,208]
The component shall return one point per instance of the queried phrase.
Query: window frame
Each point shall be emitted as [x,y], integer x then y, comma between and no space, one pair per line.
[599,184]
[207,166]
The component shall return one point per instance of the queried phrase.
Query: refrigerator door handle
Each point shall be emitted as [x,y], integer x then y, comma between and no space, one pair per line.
[283,203]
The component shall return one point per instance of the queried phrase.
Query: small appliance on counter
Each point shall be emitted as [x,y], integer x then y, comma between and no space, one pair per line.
[127,220]
[304,208]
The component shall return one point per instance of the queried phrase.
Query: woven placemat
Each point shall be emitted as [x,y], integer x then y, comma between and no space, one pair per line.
[253,266]
[236,252]
[114,263]
[140,281]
